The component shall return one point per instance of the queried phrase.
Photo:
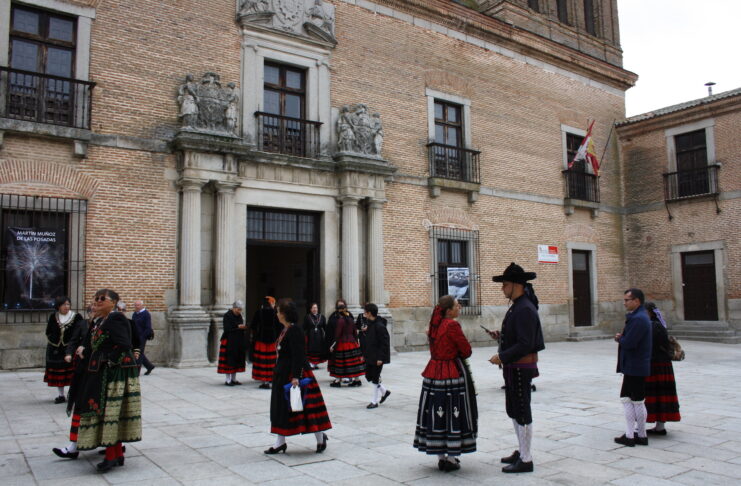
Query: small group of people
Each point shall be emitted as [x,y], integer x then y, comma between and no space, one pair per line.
[649,391]
[352,348]
[104,393]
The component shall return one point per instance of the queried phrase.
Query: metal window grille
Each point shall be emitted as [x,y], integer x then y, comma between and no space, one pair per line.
[283,226]
[42,255]
[455,255]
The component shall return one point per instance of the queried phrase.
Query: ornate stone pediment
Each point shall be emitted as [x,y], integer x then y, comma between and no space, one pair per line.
[207,107]
[312,19]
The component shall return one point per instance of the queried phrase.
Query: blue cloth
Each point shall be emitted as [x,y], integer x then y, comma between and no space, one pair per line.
[634,352]
[303,383]
[142,324]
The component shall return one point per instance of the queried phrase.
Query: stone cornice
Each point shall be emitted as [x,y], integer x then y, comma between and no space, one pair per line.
[479,28]
[360,163]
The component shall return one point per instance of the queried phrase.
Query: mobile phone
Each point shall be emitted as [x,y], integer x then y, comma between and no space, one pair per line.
[485,329]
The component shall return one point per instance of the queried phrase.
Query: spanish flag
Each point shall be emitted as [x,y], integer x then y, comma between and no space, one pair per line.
[586,151]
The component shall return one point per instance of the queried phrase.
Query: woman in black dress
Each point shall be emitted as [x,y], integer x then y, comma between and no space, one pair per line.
[265,329]
[64,333]
[290,367]
[233,345]
[315,329]
[662,404]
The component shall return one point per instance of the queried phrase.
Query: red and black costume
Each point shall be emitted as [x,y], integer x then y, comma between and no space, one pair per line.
[265,330]
[315,329]
[291,364]
[447,418]
[233,345]
[63,338]
[662,403]
[347,358]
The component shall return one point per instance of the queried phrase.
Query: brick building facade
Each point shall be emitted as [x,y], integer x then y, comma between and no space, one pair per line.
[190,191]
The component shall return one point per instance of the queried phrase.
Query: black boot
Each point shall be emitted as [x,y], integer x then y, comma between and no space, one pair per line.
[518,467]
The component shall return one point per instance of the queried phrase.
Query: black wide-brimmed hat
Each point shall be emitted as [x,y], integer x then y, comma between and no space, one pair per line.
[514,273]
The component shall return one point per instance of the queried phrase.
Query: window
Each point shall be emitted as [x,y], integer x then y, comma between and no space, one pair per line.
[449,157]
[581,184]
[42,42]
[573,142]
[276,225]
[692,176]
[562,11]
[589,17]
[42,255]
[456,256]
[282,124]
[534,4]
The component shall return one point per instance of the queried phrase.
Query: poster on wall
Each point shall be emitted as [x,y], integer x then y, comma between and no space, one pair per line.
[547,254]
[34,267]
[458,283]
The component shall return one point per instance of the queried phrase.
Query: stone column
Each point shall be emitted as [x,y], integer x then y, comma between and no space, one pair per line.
[376,292]
[350,264]
[224,264]
[190,324]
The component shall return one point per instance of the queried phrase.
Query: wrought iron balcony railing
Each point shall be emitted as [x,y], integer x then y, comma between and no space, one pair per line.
[691,183]
[581,185]
[451,162]
[287,135]
[43,98]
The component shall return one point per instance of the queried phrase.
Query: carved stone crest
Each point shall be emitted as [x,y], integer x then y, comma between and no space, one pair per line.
[358,131]
[313,19]
[207,106]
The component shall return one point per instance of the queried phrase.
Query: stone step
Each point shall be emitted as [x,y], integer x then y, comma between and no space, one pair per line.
[711,339]
[588,336]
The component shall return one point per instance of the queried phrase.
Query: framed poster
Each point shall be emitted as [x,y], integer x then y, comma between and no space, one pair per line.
[458,283]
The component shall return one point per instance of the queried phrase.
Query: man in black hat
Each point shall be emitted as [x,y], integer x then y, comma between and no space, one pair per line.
[520,340]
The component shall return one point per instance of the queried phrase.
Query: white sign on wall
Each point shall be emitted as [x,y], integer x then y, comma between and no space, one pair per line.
[547,254]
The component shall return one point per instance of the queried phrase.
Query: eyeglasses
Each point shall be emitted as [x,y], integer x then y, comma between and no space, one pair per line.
[101,298]
[628,300]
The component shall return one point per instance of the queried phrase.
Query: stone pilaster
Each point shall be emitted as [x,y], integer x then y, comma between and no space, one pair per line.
[190,324]
[224,264]
[376,292]
[350,263]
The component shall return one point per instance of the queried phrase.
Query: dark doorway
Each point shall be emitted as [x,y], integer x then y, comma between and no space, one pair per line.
[582,281]
[698,286]
[282,256]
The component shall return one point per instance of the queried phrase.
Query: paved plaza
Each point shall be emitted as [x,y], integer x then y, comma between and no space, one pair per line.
[199,432]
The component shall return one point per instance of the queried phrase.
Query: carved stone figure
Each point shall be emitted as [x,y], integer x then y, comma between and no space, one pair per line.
[358,132]
[232,108]
[207,106]
[309,18]
[251,7]
[188,100]
[377,133]
[320,21]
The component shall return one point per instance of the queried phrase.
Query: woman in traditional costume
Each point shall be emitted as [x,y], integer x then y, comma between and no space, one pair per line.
[105,398]
[233,345]
[315,329]
[662,403]
[292,367]
[347,361]
[265,329]
[64,333]
[447,418]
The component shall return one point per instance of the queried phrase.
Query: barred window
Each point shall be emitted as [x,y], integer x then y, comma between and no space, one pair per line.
[42,255]
[456,267]
[284,226]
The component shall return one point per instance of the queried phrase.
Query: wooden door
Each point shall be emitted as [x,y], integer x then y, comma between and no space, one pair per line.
[698,286]
[581,278]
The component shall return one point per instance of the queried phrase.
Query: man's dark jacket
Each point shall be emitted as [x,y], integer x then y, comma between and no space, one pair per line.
[521,331]
[634,352]
[375,342]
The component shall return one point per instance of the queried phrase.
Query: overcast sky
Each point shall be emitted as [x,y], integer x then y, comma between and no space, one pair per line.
[676,46]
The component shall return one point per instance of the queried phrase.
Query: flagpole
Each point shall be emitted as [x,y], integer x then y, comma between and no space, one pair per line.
[609,135]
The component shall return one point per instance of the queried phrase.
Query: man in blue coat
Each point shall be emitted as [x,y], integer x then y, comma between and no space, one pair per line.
[634,362]
[143,326]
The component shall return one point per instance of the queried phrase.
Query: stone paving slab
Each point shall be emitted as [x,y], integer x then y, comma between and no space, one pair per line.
[199,432]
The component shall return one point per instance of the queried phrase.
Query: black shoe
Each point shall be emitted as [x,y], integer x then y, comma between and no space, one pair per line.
[518,467]
[265,385]
[511,459]
[236,383]
[335,384]
[372,405]
[149,371]
[65,454]
[450,466]
[276,450]
[656,432]
[228,383]
[59,400]
[321,447]
[625,441]
[106,465]
[355,383]
[641,440]
[533,388]
[385,396]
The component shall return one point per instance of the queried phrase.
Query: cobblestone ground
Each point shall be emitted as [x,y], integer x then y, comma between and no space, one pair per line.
[197,431]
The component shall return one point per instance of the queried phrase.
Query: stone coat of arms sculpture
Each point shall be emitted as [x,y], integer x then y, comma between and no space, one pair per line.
[307,18]
[207,106]
[359,132]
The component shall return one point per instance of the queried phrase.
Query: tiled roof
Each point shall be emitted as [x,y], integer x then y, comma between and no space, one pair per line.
[679,107]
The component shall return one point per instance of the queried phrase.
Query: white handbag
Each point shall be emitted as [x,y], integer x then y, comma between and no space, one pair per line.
[296,402]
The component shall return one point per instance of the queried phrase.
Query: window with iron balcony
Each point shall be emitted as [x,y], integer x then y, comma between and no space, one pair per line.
[448,156]
[581,185]
[693,177]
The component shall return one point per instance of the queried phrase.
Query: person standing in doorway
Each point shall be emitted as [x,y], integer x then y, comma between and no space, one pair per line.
[143,326]
[265,330]
[634,362]
[315,329]
[233,348]
[521,338]
[376,346]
